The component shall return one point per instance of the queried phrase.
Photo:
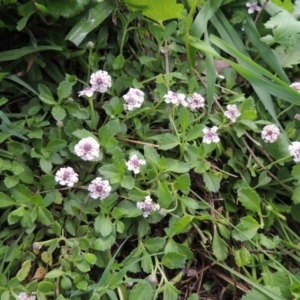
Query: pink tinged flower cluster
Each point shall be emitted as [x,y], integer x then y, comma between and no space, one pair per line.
[86,92]
[295,86]
[210,135]
[175,98]
[100,81]
[147,206]
[252,7]
[133,99]
[232,113]
[66,176]
[195,101]
[99,188]
[24,296]
[87,149]
[294,149]
[134,164]
[270,133]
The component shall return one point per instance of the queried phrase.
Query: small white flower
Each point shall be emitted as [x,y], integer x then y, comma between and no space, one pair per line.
[294,149]
[210,135]
[195,101]
[232,113]
[66,176]
[90,44]
[87,149]
[147,206]
[134,99]
[86,92]
[100,81]
[60,124]
[152,279]
[134,164]
[295,86]
[36,246]
[252,7]
[220,76]
[270,133]
[175,98]
[24,296]
[99,188]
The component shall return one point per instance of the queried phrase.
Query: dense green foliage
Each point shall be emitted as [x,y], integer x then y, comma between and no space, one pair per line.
[226,211]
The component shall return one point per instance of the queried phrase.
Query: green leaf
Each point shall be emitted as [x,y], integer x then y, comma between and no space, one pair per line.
[55,145]
[118,62]
[46,287]
[246,229]
[6,201]
[17,53]
[76,111]
[164,195]
[91,20]
[173,260]
[183,224]
[45,216]
[45,165]
[212,181]
[178,167]
[146,262]
[296,195]
[91,258]
[11,181]
[285,29]
[184,119]
[158,10]
[58,113]
[46,95]
[103,225]
[170,292]
[256,294]
[219,246]
[155,244]
[249,199]
[263,179]
[194,132]
[183,182]
[64,90]
[166,141]
[242,257]
[142,291]
[15,215]
[102,244]
[24,271]
[21,194]
[54,273]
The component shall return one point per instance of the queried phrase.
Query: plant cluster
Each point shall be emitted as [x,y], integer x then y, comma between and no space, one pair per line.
[150,150]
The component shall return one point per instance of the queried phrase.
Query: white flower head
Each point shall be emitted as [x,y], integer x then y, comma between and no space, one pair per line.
[66,176]
[134,164]
[87,149]
[24,296]
[252,7]
[36,246]
[195,101]
[295,86]
[147,206]
[220,76]
[86,92]
[210,135]
[175,98]
[133,99]
[232,113]
[100,81]
[294,149]
[270,133]
[99,188]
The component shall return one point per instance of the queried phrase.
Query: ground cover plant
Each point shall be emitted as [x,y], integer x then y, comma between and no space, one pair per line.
[149,150]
